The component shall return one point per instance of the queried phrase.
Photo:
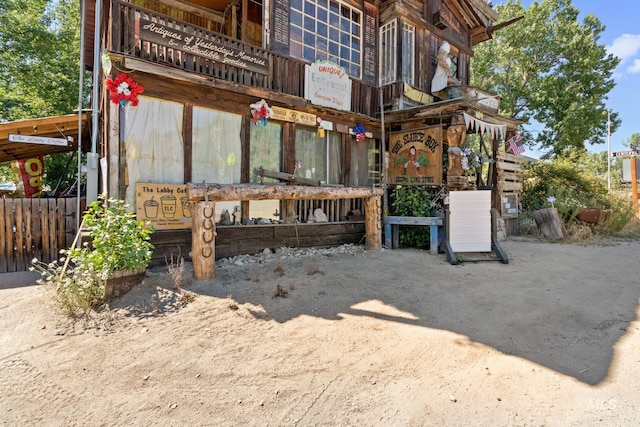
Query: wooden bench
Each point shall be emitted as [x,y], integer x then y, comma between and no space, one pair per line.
[392,229]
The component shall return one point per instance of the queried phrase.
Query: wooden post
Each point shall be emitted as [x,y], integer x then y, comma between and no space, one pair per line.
[372,224]
[203,241]
[634,183]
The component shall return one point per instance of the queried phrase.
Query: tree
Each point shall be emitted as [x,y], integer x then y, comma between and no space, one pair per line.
[633,142]
[39,51]
[550,68]
[39,67]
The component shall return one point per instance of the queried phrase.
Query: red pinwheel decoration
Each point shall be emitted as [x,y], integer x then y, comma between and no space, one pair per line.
[260,111]
[123,89]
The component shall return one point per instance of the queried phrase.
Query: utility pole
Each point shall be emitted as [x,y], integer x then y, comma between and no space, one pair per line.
[609,150]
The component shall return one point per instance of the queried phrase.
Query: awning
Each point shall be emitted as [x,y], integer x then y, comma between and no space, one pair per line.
[29,136]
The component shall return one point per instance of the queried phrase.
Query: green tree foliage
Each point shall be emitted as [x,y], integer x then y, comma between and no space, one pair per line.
[551,69]
[633,142]
[39,52]
[39,68]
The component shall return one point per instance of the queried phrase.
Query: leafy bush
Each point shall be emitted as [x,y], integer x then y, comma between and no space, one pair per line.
[413,200]
[118,242]
[572,188]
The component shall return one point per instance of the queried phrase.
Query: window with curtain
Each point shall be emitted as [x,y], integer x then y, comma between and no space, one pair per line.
[364,163]
[320,157]
[217,147]
[154,148]
[327,29]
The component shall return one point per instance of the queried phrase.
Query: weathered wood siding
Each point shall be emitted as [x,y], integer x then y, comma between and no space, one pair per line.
[34,228]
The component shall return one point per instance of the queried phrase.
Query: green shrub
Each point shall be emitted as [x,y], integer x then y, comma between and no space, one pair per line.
[413,200]
[118,242]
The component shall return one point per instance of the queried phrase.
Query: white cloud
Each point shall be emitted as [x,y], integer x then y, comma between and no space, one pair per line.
[635,67]
[625,47]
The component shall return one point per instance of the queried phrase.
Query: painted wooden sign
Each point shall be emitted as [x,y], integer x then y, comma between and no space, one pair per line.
[416,155]
[158,33]
[327,84]
[165,206]
[286,115]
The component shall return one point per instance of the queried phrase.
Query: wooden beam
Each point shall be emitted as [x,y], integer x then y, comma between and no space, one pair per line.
[230,192]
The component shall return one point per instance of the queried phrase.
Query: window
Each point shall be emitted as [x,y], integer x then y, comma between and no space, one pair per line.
[388,53]
[408,48]
[266,149]
[216,151]
[364,163]
[320,157]
[326,29]
[154,148]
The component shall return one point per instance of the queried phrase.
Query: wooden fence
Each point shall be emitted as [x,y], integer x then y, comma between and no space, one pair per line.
[34,228]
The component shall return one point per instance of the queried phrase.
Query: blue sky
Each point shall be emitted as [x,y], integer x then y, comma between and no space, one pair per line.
[622,38]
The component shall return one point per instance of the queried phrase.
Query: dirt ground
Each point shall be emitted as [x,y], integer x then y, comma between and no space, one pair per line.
[379,338]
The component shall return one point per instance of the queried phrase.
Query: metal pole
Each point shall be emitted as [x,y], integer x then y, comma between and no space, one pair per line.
[80,93]
[383,146]
[609,150]
[92,157]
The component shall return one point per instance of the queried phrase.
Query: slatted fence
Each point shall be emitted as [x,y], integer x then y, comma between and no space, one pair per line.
[34,228]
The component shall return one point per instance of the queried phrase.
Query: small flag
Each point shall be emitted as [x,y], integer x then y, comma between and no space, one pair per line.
[515,145]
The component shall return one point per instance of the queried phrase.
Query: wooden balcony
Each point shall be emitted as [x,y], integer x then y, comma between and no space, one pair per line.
[144,34]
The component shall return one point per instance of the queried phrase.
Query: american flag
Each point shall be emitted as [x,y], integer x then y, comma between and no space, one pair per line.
[515,145]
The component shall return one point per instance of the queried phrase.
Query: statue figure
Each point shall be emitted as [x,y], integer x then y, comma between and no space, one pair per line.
[237,215]
[456,135]
[444,73]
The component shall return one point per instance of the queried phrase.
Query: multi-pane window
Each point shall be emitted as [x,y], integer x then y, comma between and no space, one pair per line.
[327,29]
[408,48]
[389,52]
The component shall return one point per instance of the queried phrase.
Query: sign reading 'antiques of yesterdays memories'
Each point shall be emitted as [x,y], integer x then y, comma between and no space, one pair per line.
[213,50]
[416,155]
[328,85]
[165,206]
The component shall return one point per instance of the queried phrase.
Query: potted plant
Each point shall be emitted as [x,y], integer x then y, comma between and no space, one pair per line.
[109,265]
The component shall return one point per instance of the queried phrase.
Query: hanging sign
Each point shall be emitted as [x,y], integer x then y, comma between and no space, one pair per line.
[28,175]
[327,84]
[416,156]
[62,142]
[286,115]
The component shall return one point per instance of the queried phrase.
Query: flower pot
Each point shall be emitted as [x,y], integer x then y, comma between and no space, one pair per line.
[122,281]
[593,216]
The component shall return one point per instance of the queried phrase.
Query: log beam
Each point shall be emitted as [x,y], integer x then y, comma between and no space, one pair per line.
[205,196]
[231,192]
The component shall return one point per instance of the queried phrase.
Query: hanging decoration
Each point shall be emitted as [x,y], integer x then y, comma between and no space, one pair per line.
[360,132]
[482,127]
[123,89]
[260,111]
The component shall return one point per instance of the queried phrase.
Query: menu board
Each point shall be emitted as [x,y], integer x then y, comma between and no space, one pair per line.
[369,43]
[280,38]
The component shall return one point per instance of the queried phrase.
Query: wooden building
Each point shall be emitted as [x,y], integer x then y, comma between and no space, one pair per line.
[325,92]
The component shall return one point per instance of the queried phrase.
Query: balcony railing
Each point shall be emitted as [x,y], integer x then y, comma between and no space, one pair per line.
[152,36]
